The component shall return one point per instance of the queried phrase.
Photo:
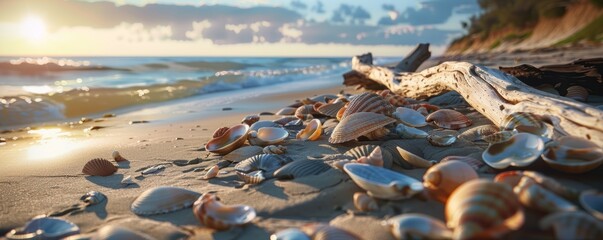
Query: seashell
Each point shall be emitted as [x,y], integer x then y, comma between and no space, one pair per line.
[127,181]
[289,234]
[383,183]
[117,157]
[231,140]
[526,122]
[592,201]
[448,118]
[305,112]
[250,119]
[375,158]
[512,179]
[442,138]
[93,198]
[296,104]
[112,232]
[254,177]
[341,111]
[211,173]
[418,226]
[573,155]
[340,163]
[364,202]
[477,133]
[413,159]
[393,99]
[220,131]
[286,111]
[324,98]
[99,167]
[260,124]
[297,122]
[519,151]
[410,117]
[366,150]
[273,149]
[265,162]
[481,209]
[159,200]
[43,227]
[212,213]
[477,165]
[153,169]
[319,231]
[577,93]
[368,102]
[442,179]
[268,136]
[284,120]
[242,153]
[311,132]
[331,109]
[498,136]
[409,132]
[301,168]
[427,106]
[423,111]
[358,124]
[534,196]
[573,225]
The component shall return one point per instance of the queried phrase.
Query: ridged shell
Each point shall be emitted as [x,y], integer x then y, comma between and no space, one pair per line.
[592,201]
[267,136]
[418,226]
[364,202]
[534,196]
[273,149]
[574,155]
[481,209]
[366,150]
[284,120]
[99,167]
[358,124]
[212,172]
[393,99]
[443,178]
[477,133]
[526,122]
[573,225]
[477,165]
[325,232]
[498,136]
[113,232]
[231,140]
[117,157]
[448,118]
[512,179]
[286,111]
[375,158]
[159,200]
[212,213]
[254,177]
[312,131]
[250,119]
[368,102]
[442,138]
[44,228]
[331,109]
[260,124]
[289,234]
[305,112]
[265,162]
[383,183]
[577,93]
[220,131]
[409,132]
[242,153]
[410,117]
[519,151]
[301,168]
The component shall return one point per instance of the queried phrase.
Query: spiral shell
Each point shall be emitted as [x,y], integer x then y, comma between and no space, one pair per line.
[375,158]
[573,225]
[250,119]
[358,124]
[212,213]
[99,167]
[448,118]
[117,157]
[364,202]
[368,102]
[443,178]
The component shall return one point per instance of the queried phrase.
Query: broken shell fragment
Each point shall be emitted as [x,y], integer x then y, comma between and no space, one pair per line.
[449,119]
[127,181]
[410,117]
[442,179]
[418,226]
[268,136]
[358,124]
[214,214]
[413,159]
[159,200]
[519,151]
[99,167]
[383,183]
[364,202]
[573,155]
[232,139]
[312,131]
[117,157]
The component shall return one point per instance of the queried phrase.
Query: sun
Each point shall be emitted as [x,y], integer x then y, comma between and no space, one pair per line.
[33,28]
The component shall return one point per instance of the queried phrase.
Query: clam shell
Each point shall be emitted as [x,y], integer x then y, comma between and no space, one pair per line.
[325,232]
[383,183]
[442,138]
[267,136]
[212,172]
[534,196]
[99,167]
[577,93]
[592,201]
[305,112]
[331,109]
[273,149]
[448,118]
[413,159]
[312,131]
[368,102]
[442,179]
[219,132]
[573,225]
[242,153]
[284,120]
[250,119]
[364,202]
[231,140]
[366,150]
[512,179]
[286,111]
[289,234]
[410,117]
[520,150]
[477,133]
[254,177]
[265,123]
[481,209]
[159,200]
[265,162]
[212,213]
[375,158]
[418,226]
[409,132]
[498,136]
[477,165]
[117,157]
[301,168]
[44,228]
[526,122]
[358,124]
[574,155]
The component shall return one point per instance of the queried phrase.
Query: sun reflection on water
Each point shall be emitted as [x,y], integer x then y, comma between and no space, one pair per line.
[52,143]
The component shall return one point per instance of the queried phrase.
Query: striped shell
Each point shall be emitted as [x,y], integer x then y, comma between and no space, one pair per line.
[498,136]
[267,136]
[219,132]
[577,93]
[364,202]
[477,133]
[573,225]
[410,117]
[393,99]
[286,111]
[520,150]
[284,120]
[526,122]
[574,155]
[163,199]
[358,124]
[212,213]
[481,209]
[305,112]
[117,157]
[442,179]
[331,109]
[532,195]
[99,167]
[512,179]
[250,119]
[318,231]
[212,172]
[273,149]
[366,150]
[418,226]
[265,162]
[231,140]
[301,168]
[312,131]
[448,118]
[254,177]
[368,102]
[242,153]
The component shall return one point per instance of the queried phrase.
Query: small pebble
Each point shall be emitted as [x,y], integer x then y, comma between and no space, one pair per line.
[266,114]
[109,115]
[93,128]
[143,140]
[179,138]
[137,122]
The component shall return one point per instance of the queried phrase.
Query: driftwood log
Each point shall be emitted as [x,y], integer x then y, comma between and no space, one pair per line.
[491,92]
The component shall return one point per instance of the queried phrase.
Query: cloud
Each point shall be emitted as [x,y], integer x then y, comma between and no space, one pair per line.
[318,8]
[350,14]
[197,32]
[429,12]
[298,5]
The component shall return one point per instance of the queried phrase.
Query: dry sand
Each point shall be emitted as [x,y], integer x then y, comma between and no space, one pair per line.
[40,178]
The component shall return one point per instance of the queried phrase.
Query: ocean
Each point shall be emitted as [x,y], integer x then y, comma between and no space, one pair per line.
[39,90]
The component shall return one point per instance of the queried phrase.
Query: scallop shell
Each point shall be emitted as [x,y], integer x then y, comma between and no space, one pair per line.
[44,228]
[284,120]
[442,138]
[534,196]
[231,140]
[481,209]
[301,168]
[393,99]
[477,165]
[320,231]
[273,149]
[289,234]
[577,93]
[99,167]
[117,157]
[409,132]
[477,133]
[448,118]
[519,151]
[331,109]
[443,178]
[267,136]
[250,119]
[410,117]
[366,150]
[242,153]
[383,183]
[265,123]
[311,132]
[413,159]
[159,200]
[512,179]
[375,158]
[211,173]
[358,124]
[286,111]
[254,177]
[265,162]
[212,213]
[574,155]
[526,122]
[305,112]
[592,201]
[418,226]
[498,136]
[364,202]
[368,102]
[220,131]
[573,225]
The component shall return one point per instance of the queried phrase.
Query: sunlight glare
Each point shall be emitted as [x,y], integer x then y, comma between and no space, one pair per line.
[53,143]
[33,28]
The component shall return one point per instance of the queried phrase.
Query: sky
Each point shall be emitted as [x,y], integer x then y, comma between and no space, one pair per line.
[228,27]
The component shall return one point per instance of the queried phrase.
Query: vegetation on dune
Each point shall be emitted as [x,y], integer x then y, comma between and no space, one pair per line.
[591,32]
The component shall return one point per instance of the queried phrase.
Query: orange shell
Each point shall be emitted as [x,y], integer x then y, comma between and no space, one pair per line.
[99,167]
[220,131]
[443,178]
[312,131]
[448,118]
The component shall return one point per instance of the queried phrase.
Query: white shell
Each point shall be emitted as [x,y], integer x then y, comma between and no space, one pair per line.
[268,136]
[410,117]
[383,183]
[418,226]
[127,181]
[409,132]
[520,150]
[289,234]
[163,199]
[45,228]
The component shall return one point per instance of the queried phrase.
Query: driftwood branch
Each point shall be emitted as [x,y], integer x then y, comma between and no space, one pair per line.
[491,92]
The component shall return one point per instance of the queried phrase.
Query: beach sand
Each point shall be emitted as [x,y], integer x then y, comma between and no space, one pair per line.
[42,175]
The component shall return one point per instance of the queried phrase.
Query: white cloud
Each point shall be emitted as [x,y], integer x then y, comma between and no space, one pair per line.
[235,28]
[290,34]
[255,27]
[197,32]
